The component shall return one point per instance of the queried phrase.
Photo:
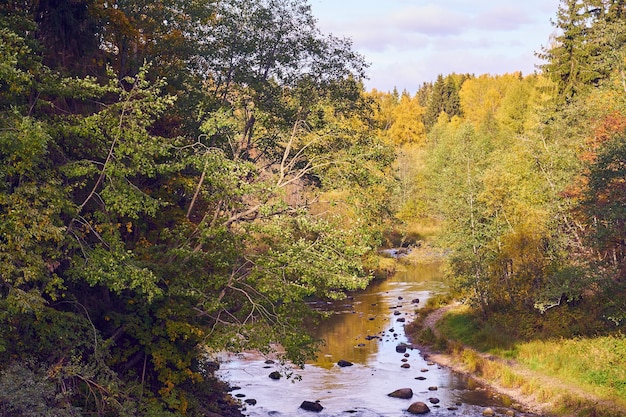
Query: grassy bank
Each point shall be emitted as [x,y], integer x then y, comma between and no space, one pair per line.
[582,376]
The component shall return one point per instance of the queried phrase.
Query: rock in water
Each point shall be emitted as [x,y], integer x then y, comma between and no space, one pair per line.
[489,412]
[402,393]
[275,375]
[311,406]
[418,408]
[344,363]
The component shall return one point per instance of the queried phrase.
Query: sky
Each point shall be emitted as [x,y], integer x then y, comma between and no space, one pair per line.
[409,42]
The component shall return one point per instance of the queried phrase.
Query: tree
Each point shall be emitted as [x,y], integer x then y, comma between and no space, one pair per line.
[444,98]
[590,34]
[138,236]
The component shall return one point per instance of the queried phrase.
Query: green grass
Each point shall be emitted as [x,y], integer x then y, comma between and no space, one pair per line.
[595,365]
[462,326]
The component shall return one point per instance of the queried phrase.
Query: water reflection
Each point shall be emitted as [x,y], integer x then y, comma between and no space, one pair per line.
[366,330]
[357,325]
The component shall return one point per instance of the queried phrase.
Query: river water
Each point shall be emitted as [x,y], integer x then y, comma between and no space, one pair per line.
[364,329]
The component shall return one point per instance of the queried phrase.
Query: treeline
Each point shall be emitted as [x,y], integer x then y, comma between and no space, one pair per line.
[526,177]
[176,178]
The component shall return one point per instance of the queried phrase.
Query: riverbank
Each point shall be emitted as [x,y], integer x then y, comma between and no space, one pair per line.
[539,392]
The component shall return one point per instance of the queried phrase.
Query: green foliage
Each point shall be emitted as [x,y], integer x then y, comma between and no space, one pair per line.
[588,47]
[443,97]
[149,222]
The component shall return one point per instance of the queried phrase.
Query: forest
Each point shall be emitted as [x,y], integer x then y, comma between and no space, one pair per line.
[179,177]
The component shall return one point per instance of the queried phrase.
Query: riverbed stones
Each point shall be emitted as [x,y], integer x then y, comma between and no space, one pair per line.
[311,406]
[405,365]
[418,408]
[275,375]
[343,363]
[401,348]
[250,401]
[488,412]
[432,388]
[404,393]
[433,400]
[420,378]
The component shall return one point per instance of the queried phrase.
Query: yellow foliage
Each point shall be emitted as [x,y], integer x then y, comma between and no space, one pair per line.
[399,119]
[408,125]
[481,97]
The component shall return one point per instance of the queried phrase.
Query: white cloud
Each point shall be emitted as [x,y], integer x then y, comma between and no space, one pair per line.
[409,42]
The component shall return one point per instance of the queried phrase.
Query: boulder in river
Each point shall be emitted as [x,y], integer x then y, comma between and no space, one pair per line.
[488,412]
[404,393]
[343,363]
[250,401]
[418,408]
[433,400]
[311,406]
[275,375]
[401,348]
[405,365]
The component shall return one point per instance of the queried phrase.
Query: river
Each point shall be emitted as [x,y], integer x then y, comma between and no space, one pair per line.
[364,329]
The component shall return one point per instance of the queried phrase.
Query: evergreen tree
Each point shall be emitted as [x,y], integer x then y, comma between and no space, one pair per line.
[589,33]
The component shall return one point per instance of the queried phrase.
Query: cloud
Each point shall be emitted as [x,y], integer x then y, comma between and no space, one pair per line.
[428,20]
[502,18]
[409,41]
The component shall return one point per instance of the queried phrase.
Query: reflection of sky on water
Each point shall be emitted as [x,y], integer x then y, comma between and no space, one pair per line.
[361,389]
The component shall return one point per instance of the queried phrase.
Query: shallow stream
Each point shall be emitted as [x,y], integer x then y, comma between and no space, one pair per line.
[364,329]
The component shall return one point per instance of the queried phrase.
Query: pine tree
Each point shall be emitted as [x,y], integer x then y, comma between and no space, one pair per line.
[590,33]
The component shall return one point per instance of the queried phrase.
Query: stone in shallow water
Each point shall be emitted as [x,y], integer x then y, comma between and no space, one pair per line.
[311,406]
[401,348]
[418,408]
[343,363]
[275,375]
[402,393]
